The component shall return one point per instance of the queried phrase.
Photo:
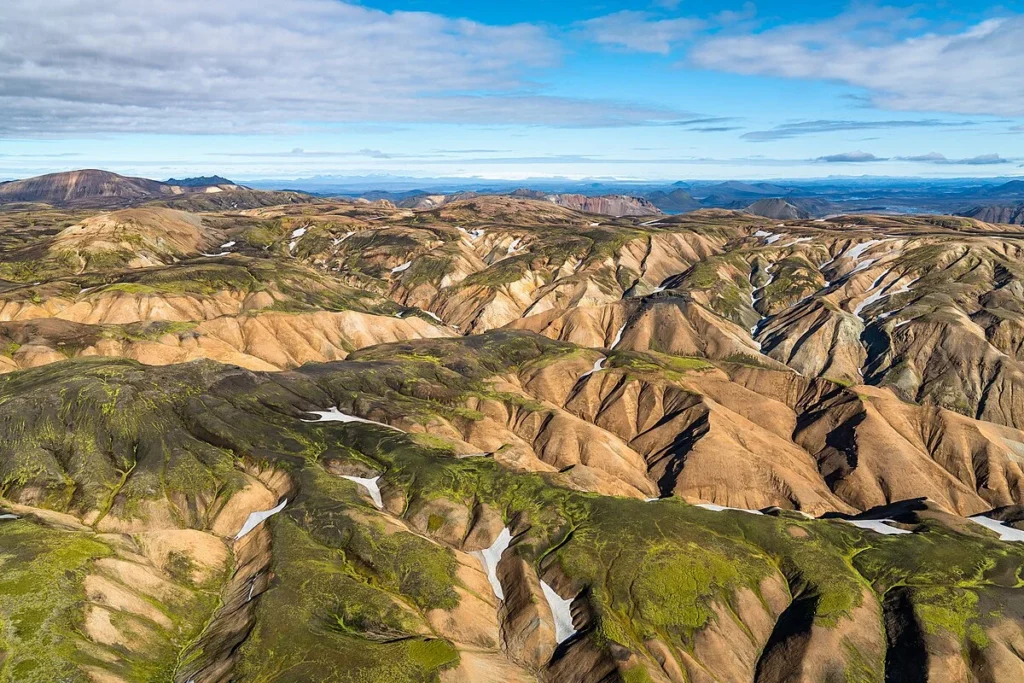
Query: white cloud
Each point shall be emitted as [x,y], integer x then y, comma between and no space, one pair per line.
[850,158]
[980,160]
[270,65]
[973,71]
[639,31]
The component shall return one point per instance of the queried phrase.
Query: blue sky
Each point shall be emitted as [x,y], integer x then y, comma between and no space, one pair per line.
[643,90]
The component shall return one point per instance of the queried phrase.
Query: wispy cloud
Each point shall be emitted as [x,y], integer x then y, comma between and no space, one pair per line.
[299,153]
[792,130]
[194,66]
[639,31]
[936,158]
[850,158]
[889,53]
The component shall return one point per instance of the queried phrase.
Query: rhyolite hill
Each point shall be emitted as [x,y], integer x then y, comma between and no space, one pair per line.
[507,440]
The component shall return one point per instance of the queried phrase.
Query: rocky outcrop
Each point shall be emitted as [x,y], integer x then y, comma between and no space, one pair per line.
[608,205]
[777,209]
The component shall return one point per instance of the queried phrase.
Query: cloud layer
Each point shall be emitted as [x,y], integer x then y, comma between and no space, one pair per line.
[639,31]
[269,65]
[973,71]
[792,130]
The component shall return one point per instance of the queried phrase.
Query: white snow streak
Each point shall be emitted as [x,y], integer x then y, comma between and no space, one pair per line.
[618,336]
[401,268]
[335,415]
[560,610]
[1006,533]
[371,487]
[856,250]
[256,517]
[598,367]
[877,525]
[722,508]
[490,557]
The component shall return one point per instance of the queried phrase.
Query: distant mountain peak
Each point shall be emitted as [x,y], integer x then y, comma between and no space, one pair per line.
[200,181]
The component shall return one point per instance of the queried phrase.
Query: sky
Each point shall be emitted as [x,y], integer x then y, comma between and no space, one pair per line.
[659,90]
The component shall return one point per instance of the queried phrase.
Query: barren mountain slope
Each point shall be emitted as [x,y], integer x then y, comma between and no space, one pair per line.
[139,505]
[504,440]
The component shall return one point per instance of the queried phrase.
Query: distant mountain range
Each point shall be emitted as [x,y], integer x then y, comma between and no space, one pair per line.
[201,181]
[91,188]
[814,198]
[1010,214]
[992,201]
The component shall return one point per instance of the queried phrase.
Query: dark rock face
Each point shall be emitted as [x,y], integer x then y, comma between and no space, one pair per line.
[778,209]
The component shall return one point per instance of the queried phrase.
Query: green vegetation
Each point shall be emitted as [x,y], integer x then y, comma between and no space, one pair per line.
[41,574]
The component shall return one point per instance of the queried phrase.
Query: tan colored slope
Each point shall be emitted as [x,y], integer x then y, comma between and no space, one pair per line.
[873,448]
[750,438]
[119,307]
[508,273]
[699,449]
[144,237]
[84,186]
[964,465]
[264,341]
[666,324]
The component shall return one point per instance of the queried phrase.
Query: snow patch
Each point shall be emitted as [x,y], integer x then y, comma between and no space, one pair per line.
[1006,533]
[256,517]
[722,508]
[371,487]
[252,585]
[434,316]
[515,245]
[490,557]
[338,240]
[863,265]
[227,245]
[618,336]
[560,610]
[598,367]
[762,233]
[335,415]
[9,516]
[398,269]
[856,250]
[905,288]
[774,238]
[877,525]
